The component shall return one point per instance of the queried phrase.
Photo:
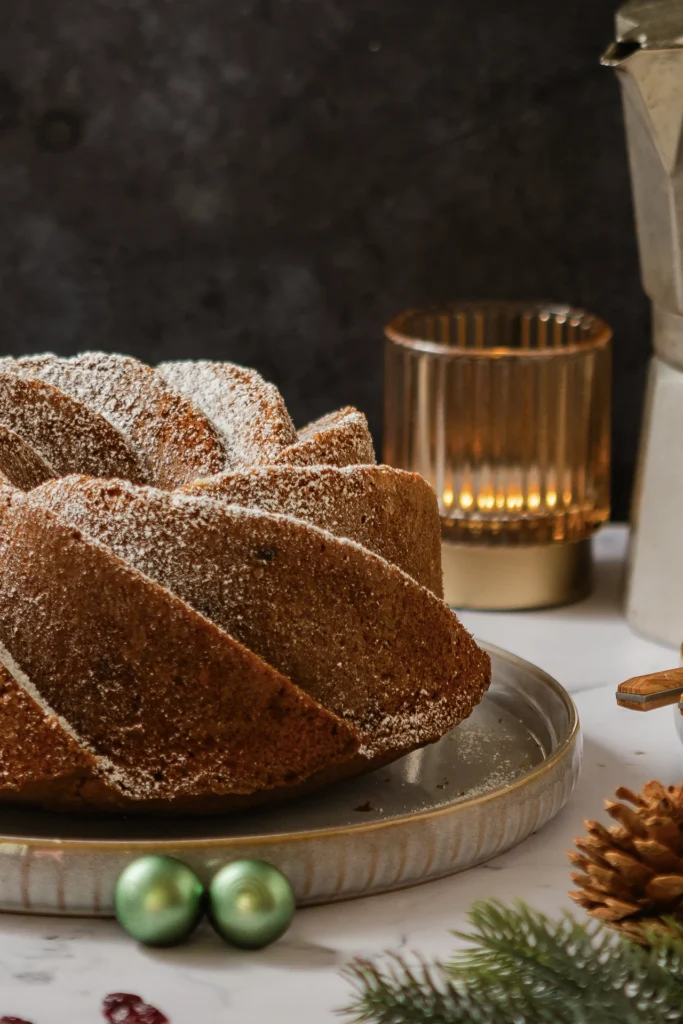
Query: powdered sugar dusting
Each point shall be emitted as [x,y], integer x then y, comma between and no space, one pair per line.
[34,693]
[68,436]
[173,439]
[124,782]
[250,414]
[154,687]
[356,633]
[339,438]
[388,511]
[20,465]
[285,559]
[114,776]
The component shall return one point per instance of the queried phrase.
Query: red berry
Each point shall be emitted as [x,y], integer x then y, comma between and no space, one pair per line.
[125,1008]
[14,1020]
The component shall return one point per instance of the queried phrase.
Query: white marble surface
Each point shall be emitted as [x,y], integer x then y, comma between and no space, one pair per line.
[57,971]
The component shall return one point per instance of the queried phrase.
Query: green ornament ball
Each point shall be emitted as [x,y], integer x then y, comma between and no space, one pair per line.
[158,900]
[251,903]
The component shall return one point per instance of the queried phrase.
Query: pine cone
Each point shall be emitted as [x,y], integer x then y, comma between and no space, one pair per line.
[631,875]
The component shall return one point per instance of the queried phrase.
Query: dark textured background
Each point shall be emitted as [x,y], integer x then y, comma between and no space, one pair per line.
[269,180]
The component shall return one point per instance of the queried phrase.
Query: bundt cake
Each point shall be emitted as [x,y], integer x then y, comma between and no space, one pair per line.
[200,607]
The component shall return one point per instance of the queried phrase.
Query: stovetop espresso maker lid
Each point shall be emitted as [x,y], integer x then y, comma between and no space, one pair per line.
[652,24]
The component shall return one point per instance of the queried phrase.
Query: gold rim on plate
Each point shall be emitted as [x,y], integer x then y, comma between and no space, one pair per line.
[417,833]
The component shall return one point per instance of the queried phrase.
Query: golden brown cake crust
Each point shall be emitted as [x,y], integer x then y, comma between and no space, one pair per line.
[339,438]
[354,632]
[388,511]
[250,414]
[267,621]
[36,747]
[20,465]
[170,705]
[42,764]
[174,441]
[68,436]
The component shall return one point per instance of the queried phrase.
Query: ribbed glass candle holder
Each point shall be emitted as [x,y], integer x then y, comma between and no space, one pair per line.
[505,409]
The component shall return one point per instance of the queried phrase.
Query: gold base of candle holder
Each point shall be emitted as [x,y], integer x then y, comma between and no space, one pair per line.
[515,577]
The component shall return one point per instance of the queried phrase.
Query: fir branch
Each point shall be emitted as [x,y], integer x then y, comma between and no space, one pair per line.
[402,994]
[667,947]
[590,973]
[523,968]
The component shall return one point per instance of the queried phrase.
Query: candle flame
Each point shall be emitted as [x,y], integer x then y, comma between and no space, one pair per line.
[488,500]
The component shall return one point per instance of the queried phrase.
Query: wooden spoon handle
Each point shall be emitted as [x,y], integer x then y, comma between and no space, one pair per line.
[656,690]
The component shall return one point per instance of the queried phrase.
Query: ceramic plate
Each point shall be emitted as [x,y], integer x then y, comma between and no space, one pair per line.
[482,789]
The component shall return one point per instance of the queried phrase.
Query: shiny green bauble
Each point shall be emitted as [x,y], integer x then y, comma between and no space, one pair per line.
[158,900]
[251,903]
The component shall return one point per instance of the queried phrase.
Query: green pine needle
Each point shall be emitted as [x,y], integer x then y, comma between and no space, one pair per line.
[523,968]
[403,993]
